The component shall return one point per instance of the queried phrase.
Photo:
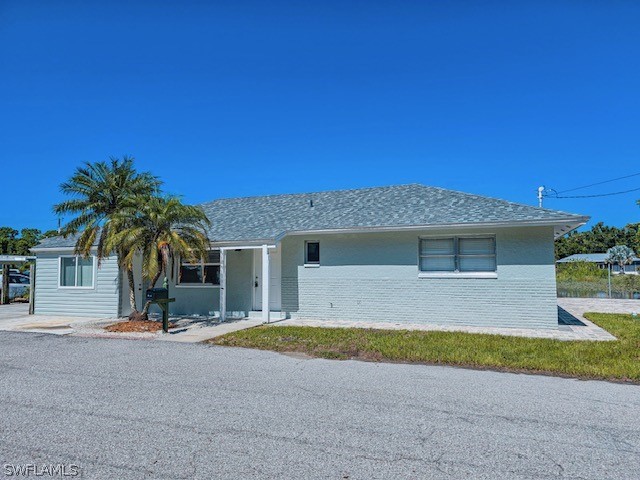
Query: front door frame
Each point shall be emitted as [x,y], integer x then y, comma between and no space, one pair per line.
[255,274]
[265,277]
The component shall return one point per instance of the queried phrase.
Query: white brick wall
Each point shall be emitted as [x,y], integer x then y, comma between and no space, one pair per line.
[374,277]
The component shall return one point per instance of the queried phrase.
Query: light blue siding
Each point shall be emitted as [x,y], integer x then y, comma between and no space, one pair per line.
[362,277]
[374,277]
[100,301]
[198,300]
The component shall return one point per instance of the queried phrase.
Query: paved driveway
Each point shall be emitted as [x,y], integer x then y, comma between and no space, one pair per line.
[15,317]
[580,306]
[132,409]
[12,312]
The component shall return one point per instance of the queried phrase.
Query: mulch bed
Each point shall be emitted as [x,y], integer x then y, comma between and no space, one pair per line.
[138,326]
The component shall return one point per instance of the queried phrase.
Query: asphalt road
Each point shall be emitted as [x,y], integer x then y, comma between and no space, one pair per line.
[141,409]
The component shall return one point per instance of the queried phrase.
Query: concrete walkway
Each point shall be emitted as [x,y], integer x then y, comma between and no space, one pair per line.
[580,306]
[202,333]
[587,332]
[15,318]
[571,323]
[188,329]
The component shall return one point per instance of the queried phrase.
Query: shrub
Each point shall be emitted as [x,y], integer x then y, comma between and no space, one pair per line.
[580,271]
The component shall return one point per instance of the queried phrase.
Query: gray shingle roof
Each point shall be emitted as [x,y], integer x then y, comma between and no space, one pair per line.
[57,242]
[262,218]
[268,217]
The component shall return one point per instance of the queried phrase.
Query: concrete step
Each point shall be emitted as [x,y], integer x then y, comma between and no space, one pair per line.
[273,316]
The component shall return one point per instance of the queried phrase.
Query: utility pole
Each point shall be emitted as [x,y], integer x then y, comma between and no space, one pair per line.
[540,190]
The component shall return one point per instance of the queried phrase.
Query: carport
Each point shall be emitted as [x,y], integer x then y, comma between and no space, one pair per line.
[5,262]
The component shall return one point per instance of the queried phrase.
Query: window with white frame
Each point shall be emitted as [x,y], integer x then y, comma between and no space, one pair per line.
[458,254]
[312,253]
[207,272]
[77,271]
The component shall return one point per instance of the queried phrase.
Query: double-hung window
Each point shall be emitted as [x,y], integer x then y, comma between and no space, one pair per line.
[77,271]
[475,254]
[206,273]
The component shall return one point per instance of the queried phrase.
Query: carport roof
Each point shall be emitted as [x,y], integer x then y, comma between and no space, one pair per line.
[11,259]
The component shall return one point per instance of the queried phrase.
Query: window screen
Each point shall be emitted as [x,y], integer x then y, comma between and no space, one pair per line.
[85,272]
[458,254]
[68,271]
[76,272]
[477,254]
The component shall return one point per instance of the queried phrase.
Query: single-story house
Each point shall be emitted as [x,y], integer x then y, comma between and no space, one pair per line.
[600,259]
[406,253]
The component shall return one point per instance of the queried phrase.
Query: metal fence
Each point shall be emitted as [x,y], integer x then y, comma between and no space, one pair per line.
[597,289]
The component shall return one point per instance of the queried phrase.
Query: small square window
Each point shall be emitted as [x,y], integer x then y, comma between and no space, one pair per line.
[76,271]
[312,253]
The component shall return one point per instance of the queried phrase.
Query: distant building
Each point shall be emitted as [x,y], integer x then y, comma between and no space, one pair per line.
[600,259]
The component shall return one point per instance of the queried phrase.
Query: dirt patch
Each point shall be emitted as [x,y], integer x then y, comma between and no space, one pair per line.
[136,326]
[43,326]
[298,355]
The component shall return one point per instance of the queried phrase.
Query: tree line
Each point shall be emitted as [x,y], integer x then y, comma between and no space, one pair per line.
[598,240]
[14,242]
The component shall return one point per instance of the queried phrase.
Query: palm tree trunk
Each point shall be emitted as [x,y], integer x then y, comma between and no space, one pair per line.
[132,290]
[154,280]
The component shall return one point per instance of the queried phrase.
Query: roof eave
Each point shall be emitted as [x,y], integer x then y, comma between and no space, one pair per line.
[56,249]
[237,243]
[568,227]
[562,226]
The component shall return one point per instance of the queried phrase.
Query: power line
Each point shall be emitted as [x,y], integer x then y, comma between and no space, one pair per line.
[590,196]
[552,193]
[600,183]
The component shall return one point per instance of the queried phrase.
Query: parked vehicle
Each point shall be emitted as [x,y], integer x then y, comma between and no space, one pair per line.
[18,284]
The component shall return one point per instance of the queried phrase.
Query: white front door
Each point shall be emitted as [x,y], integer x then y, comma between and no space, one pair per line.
[275,279]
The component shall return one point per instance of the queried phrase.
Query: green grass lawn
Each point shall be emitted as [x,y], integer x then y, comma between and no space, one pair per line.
[615,360]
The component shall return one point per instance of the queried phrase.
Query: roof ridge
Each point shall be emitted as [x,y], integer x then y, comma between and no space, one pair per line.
[301,194]
[518,204]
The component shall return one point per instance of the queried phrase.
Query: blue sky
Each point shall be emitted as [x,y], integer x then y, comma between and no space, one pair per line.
[238,98]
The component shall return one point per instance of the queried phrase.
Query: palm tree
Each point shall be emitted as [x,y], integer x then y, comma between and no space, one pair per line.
[161,229]
[99,191]
[620,255]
